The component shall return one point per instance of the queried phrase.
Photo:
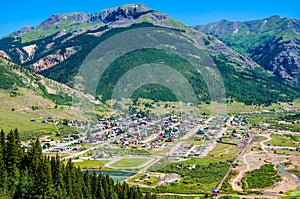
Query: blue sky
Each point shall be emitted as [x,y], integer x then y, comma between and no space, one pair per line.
[19,13]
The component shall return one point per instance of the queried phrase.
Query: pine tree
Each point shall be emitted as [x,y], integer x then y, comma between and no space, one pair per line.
[45,179]
[100,190]
[68,179]
[77,182]
[2,162]
[24,189]
[19,148]
[12,152]
[58,172]
[94,184]
[86,189]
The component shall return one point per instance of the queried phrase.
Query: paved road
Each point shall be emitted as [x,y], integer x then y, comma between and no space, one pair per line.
[74,155]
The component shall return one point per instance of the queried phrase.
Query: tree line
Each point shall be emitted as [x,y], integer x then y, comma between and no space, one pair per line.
[27,173]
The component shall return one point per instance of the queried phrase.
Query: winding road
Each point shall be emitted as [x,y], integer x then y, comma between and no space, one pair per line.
[239,177]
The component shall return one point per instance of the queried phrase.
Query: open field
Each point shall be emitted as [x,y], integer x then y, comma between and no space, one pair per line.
[12,119]
[284,152]
[281,141]
[271,120]
[90,164]
[16,112]
[130,162]
[231,108]
[152,181]
[237,107]
[222,152]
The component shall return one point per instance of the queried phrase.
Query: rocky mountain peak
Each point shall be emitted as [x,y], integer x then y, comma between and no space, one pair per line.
[22,31]
[80,22]
[131,11]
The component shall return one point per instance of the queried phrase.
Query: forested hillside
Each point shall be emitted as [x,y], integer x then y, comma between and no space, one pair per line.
[26,173]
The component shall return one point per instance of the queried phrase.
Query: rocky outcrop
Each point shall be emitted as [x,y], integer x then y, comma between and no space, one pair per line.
[22,31]
[131,12]
[280,57]
[30,50]
[4,55]
[52,59]
[23,57]
[216,48]
[287,63]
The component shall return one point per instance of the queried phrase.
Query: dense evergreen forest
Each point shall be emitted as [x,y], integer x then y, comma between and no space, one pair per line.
[27,173]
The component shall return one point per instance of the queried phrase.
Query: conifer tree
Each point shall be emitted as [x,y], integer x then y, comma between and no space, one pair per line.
[12,161]
[86,189]
[2,161]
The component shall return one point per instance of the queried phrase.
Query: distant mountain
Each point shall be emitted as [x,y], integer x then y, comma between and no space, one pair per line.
[274,42]
[59,45]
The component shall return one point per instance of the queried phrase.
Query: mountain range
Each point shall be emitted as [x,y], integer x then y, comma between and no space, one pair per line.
[274,42]
[258,61]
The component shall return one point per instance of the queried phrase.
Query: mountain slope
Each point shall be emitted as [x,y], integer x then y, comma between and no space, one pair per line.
[25,95]
[57,52]
[273,42]
[251,84]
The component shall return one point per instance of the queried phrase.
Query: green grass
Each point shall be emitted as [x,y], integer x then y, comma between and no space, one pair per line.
[287,127]
[215,156]
[222,152]
[291,195]
[281,141]
[130,162]
[286,152]
[273,119]
[90,164]
[21,120]
[229,140]
[294,171]
[152,181]
[238,107]
[297,101]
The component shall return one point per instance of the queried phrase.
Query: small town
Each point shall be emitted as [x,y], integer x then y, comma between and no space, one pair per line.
[152,153]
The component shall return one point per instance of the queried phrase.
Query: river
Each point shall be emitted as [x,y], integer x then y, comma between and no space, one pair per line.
[289,175]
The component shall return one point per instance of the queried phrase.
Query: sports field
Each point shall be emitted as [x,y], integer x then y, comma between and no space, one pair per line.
[130,162]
